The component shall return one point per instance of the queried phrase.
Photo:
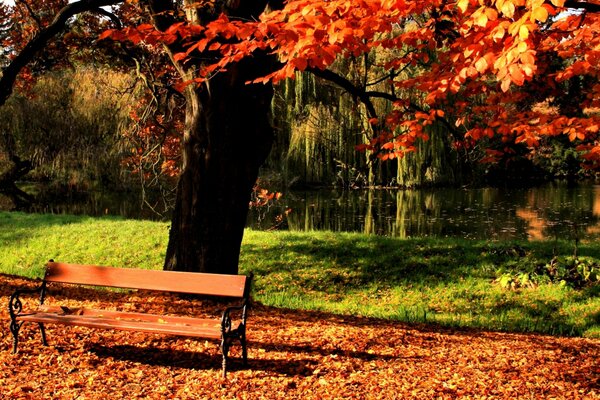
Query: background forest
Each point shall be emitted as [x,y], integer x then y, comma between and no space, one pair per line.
[93,127]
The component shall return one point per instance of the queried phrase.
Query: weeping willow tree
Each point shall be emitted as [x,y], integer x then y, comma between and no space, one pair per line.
[319,126]
[317,131]
[68,127]
[435,161]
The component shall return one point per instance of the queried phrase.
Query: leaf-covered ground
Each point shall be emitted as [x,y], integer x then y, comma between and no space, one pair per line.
[292,355]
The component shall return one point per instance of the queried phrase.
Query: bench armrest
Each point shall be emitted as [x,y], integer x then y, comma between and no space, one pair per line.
[15,305]
[226,316]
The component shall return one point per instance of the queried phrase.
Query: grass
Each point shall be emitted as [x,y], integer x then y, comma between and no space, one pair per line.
[452,282]
[27,241]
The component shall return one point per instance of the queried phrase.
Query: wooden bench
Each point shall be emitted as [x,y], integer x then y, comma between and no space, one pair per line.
[230,286]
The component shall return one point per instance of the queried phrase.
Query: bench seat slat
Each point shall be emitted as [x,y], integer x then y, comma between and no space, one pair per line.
[139,316]
[131,278]
[180,326]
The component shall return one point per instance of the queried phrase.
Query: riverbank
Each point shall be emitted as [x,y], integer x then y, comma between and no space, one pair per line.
[488,285]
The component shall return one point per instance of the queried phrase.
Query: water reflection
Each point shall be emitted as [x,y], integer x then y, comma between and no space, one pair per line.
[95,203]
[553,211]
[548,212]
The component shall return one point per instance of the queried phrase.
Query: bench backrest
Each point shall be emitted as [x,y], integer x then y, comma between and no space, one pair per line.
[168,281]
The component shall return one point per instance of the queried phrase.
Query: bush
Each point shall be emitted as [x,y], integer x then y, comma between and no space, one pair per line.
[572,271]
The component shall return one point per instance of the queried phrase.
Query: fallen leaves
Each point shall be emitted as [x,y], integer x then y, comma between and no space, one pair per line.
[292,354]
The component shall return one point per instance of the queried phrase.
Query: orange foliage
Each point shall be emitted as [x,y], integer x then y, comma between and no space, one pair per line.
[477,66]
[505,50]
[262,197]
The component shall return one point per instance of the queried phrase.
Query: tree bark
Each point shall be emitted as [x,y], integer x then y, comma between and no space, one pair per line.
[227,138]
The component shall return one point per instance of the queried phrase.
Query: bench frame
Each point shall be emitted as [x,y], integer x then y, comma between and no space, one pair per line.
[233,286]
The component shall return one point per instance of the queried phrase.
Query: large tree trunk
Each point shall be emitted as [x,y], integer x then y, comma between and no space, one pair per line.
[226,139]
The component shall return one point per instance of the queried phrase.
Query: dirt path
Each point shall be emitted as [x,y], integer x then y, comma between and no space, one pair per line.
[292,355]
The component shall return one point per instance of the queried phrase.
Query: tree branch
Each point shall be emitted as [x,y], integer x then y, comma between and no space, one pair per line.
[9,74]
[583,5]
[115,20]
[347,86]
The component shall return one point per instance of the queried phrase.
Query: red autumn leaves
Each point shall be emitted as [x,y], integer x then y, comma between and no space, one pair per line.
[292,354]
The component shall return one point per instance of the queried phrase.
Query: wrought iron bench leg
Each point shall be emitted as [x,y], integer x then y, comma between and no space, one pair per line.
[14,329]
[43,332]
[225,350]
[244,348]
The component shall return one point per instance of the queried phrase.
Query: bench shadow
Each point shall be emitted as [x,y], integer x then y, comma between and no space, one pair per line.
[301,362]
[307,349]
[200,360]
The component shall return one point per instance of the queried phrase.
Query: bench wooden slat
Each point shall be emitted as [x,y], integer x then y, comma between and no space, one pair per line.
[180,326]
[168,281]
[136,316]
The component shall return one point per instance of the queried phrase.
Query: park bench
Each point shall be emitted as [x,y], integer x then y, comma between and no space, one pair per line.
[222,286]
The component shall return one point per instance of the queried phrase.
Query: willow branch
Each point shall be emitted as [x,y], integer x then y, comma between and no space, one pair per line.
[348,86]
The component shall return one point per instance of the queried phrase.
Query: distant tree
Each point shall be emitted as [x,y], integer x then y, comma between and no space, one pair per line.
[69,126]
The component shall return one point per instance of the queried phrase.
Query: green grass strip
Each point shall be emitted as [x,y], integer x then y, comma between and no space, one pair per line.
[451,282]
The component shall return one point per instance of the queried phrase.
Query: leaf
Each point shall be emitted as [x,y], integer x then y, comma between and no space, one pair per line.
[106,34]
[524,32]
[463,5]
[508,9]
[481,19]
[299,63]
[65,309]
[539,14]
[145,27]
[498,33]
[505,84]
[481,65]
[516,74]
[522,47]
[180,87]
[179,56]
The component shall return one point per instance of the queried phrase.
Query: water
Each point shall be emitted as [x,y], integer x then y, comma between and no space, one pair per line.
[546,212]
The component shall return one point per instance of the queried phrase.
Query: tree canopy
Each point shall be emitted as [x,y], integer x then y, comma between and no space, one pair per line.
[514,70]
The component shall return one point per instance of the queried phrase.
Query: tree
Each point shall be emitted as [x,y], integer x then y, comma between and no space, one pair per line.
[226,135]
[486,71]
[226,139]
[27,52]
[475,60]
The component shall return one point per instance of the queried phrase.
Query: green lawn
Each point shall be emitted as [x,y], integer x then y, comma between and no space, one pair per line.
[463,283]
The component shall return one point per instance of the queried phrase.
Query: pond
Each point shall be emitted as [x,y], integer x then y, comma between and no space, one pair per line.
[545,212]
